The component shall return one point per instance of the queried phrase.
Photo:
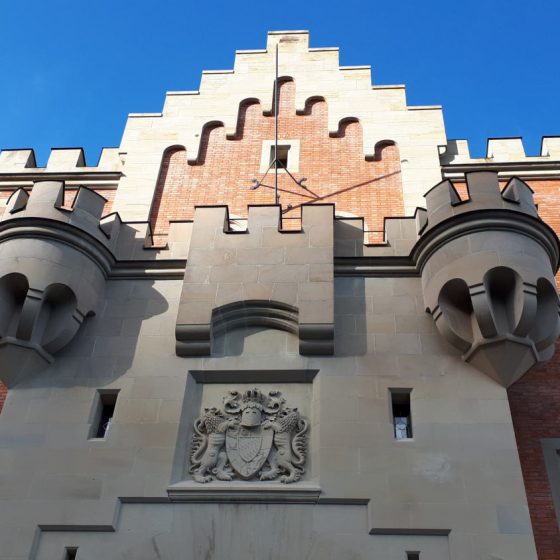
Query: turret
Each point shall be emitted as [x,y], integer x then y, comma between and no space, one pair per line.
[488,267]
[53,266]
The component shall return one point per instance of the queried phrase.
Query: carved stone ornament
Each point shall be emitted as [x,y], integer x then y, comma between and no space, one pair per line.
[254,437]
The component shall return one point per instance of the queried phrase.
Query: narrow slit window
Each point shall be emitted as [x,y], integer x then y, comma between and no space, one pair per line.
[103,415]
[71,552]
[402,419]
[282,157]
[412,556]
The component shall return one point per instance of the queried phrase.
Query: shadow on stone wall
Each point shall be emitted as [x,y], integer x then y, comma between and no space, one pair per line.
[106,346]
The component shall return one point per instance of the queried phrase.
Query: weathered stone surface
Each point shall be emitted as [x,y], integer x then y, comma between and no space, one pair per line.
[488,269]
[260,277]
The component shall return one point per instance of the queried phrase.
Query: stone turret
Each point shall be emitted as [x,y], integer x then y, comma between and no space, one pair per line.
[53,266]
[488,267]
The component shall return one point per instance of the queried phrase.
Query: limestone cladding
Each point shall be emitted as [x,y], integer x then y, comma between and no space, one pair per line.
[454,492]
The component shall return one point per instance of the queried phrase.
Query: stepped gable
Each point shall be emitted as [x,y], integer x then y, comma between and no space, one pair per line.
[381,110]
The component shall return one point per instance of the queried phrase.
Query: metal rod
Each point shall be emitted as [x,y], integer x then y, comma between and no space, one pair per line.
[276,131]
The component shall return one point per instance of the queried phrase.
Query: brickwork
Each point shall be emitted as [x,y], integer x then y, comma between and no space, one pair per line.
[335,168]
[3,395]
[535,402]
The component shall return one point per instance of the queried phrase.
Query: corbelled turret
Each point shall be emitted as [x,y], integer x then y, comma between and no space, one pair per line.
[488,267]
[53,265]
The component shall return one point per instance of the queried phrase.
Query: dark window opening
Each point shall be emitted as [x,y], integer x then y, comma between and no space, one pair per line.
[71,552]
[412,556]
[282,156]
[402,419]
[104,412]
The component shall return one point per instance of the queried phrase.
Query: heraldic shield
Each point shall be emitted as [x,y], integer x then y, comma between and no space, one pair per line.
[248,448]
[254,436]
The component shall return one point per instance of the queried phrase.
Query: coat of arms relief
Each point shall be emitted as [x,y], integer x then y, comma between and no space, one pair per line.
[254,436]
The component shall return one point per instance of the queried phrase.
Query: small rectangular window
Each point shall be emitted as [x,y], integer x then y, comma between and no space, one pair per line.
[282,156]
[400,408]
[71,552]
[412,556]
[104,410]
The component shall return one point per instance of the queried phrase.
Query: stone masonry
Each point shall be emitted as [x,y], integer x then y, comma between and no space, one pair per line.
[362,369]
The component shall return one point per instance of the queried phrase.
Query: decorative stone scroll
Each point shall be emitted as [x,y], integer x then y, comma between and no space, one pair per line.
[255,436]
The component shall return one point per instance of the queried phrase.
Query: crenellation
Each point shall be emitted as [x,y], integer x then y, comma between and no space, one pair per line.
[506,151]
[60,162]
[16,203]
[151,353]
[550,147]
[45,197]
[111,159]
[243,259]
[64,159]
[15,160]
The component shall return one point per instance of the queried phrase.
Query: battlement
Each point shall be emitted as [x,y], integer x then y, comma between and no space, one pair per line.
[125,241]
[61,160]
[251,277]
[500,150]
[46,201]
[443,200]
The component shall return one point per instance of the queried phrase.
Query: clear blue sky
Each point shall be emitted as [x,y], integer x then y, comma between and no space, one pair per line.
[72,70]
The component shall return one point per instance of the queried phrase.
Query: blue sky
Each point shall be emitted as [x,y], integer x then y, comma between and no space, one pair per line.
[72,70]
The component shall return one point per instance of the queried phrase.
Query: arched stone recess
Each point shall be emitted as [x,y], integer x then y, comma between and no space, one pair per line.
[488,266]
[231,159]
[259,277]
[255,313]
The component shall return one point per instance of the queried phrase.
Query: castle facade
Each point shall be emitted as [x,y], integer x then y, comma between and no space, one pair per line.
[286,318]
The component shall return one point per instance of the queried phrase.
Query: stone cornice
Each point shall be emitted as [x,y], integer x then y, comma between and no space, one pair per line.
[486,220]
[52,230]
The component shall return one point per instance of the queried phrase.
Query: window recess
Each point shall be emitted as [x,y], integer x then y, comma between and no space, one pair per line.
[282,156]
[104,410]
[401,416]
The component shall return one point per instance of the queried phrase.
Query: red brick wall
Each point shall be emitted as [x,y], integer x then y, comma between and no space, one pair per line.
[535,404]
[3,395]
[335,168]
[535,409]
